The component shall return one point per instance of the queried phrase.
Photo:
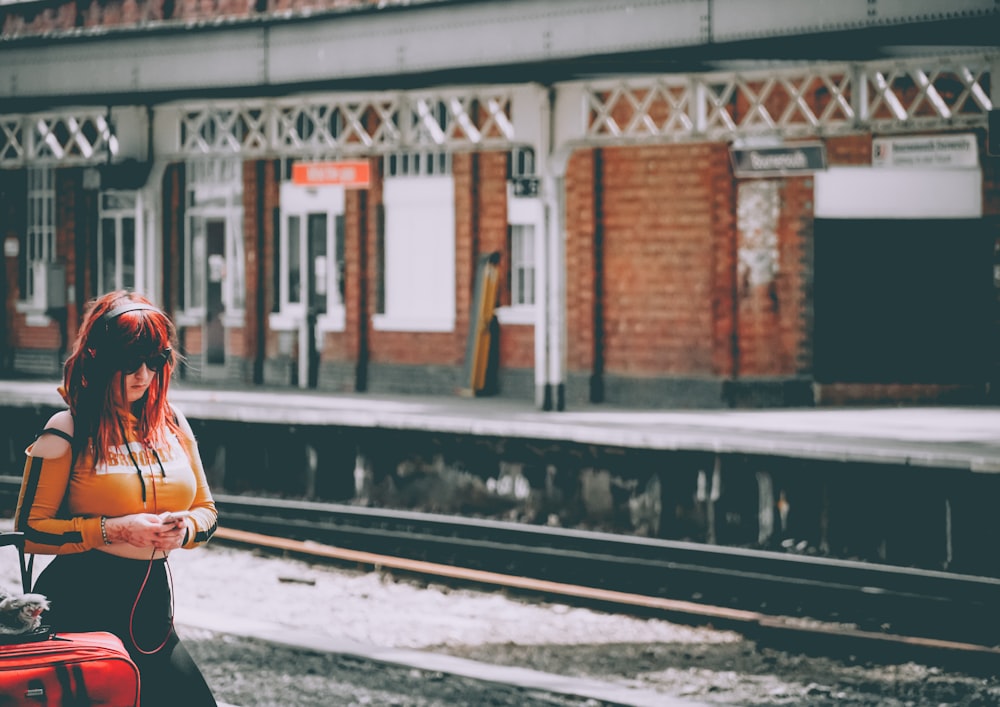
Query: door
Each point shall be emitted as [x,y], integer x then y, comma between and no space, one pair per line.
[308,275]
[215,333]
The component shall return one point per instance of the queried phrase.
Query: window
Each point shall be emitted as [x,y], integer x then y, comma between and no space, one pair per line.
[213,262]
[525,228]
[418,258]
[310,257]
[522,265]
[116,245]
[41,236]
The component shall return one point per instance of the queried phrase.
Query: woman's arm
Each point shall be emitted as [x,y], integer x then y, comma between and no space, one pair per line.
[202,519]
[43,490]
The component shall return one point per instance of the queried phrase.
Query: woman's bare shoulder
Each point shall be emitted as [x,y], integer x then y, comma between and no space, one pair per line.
[54,444]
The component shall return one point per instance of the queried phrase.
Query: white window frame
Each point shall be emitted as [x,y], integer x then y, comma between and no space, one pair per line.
[214,191]
[419,252]
[303,201]
[40,239]
[526,212]
[118,215]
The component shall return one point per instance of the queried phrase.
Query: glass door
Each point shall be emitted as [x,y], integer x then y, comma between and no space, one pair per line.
[310,239]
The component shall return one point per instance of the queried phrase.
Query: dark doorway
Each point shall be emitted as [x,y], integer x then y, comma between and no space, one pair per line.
[215,333]
[903,301]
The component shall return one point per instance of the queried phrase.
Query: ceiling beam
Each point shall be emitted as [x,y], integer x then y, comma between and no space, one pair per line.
[457,42]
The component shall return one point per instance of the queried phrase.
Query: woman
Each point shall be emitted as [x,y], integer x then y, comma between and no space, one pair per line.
[111,486]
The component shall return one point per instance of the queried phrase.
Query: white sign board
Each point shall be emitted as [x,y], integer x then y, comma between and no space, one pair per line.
[867,193]
[930,151]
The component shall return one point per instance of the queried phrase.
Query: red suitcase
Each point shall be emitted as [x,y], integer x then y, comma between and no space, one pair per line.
[69,669]
[78,669]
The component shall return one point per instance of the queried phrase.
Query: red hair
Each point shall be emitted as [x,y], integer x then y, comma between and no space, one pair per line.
[94,375]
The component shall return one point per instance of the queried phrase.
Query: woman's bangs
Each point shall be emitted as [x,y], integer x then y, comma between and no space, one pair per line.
[148,335]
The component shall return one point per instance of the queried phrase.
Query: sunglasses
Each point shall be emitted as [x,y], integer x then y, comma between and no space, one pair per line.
[154,363]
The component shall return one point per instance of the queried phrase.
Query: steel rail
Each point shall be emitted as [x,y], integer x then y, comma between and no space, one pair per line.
[753,623]
[932,604]
[787,598]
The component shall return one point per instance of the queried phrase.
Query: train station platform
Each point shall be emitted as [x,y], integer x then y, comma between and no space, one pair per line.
[965,438]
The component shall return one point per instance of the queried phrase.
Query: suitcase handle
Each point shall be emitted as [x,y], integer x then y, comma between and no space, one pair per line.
[16,538]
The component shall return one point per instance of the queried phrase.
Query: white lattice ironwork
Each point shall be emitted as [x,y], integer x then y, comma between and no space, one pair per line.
[340,125]
[914,95]
[336,125]
[80,137]
[72,138]
[806,100]
[12,147]
[460,119]
[224,129]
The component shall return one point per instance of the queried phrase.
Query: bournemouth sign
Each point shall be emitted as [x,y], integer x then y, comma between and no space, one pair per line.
[778,161]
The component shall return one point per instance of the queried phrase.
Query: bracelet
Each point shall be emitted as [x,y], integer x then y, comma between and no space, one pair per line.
[104,530]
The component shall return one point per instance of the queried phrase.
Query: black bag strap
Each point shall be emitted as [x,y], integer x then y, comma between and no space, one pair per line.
[16,538]
[28,563]
[57,432]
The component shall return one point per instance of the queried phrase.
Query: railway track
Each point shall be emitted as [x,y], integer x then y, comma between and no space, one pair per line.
[802,602]
[807,603]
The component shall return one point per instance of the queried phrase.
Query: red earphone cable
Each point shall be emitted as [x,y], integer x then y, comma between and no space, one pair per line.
[145,580]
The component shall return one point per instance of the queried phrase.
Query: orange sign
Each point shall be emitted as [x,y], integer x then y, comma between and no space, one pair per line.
[346,174]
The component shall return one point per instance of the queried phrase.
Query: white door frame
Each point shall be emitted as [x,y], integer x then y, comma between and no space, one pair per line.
[303,201]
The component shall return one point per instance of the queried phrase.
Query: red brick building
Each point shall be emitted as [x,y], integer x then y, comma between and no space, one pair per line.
[682,214]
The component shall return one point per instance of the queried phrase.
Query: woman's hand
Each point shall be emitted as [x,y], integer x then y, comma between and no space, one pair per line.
[173,528]
[162,532]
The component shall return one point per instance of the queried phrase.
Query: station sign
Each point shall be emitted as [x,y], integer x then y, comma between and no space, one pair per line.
[524,187]
[350,174]
[776,161]
[929,151]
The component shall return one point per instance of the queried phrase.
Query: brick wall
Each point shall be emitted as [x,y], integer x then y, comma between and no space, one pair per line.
[173,229]
[468,206]
[661,234]
[770,330]
[357,314]
[579,215]
[65,16]
[725,336]
[251,334]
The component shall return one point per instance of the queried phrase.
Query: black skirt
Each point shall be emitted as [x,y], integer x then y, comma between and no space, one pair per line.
[95,591]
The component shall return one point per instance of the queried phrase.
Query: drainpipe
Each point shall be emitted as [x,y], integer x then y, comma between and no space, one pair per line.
[554,192]
[543,398]
[543,394]
[158,264]
[560,126]
[553,186]
[259,302]
[364,316]
[597,373]
[553,170]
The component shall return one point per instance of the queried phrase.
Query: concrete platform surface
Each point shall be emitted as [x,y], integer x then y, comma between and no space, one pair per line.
[939,437]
